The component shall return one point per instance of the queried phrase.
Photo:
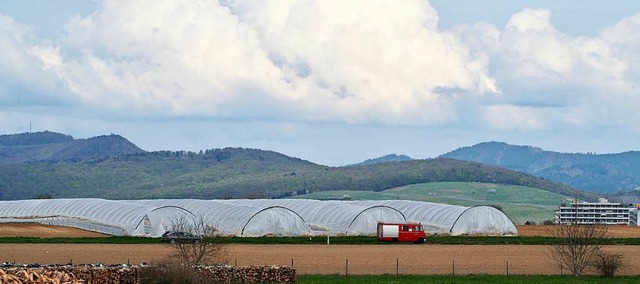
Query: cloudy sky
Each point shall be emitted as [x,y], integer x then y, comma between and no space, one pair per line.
[333,82]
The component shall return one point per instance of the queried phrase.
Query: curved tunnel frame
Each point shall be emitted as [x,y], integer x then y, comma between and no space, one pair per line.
[132,224]
[372,207]
[272,207]
[472,207]
[162,207]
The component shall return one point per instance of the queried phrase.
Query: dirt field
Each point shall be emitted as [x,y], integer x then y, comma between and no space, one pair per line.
[613,231]
[318,259]
[328,259]
[43,231]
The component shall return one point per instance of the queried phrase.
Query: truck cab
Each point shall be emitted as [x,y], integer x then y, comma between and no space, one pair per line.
[401,232]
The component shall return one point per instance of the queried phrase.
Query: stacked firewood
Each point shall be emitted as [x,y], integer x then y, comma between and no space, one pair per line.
[110,275]
[248,274]
[70,275]
[30,275]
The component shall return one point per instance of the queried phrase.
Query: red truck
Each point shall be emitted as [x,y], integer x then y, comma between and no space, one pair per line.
[401,232]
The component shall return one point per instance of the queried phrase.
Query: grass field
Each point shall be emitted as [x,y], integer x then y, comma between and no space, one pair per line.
[520,203]
[542,279]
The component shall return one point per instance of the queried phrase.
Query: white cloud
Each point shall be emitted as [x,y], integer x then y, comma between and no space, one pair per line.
[358,62]
[573,79]
[510,117]
[368,62]
[175,57]
[535,45]
[12,38]
[353,61]
[48,55]
[23,78]
[623,38]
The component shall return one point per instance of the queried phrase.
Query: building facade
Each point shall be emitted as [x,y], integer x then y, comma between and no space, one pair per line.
[601,212]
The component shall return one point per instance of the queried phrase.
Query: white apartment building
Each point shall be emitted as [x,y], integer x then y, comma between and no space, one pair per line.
[601,212]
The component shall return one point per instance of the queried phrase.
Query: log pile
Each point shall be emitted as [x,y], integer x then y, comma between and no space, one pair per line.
[98,274]
[248,274]
[70,274]
[31,275]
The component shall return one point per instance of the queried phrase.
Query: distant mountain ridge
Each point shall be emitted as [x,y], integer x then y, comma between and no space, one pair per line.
[386,158]
[112,167]
[52,147]
[34,138]
[592,172]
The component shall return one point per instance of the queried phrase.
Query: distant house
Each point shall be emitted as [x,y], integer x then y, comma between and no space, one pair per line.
[601,212]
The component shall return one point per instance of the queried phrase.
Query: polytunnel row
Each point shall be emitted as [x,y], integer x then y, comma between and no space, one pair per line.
[279,217]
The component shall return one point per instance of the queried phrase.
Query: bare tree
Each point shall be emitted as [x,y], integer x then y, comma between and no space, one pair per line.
[607,264]
[576,246]
[204,248]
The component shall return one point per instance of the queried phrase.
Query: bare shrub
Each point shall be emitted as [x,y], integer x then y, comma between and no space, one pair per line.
[170,272]
[607,264]
[204,251]
[576,246]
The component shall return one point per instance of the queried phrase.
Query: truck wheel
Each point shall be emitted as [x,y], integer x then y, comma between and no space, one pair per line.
[420,241]
[394,239]
[173,241]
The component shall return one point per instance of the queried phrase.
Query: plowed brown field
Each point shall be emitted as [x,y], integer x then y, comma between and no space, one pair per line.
[328,259]
[320,259]
[613,231]
[43,231]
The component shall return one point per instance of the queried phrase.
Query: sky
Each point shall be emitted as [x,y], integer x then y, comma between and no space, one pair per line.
[332,82]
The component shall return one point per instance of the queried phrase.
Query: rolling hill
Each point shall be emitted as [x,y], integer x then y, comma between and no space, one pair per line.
[238,173]
[55,165]
[51,147]
[386,158]
[520,203]
[596,173]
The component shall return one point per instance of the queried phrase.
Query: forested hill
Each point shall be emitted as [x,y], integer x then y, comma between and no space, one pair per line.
[36,138]
[238,173]
[597,173]
[51,147]
[386,158]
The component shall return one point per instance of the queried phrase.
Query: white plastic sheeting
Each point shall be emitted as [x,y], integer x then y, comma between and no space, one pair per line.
[360,217]
[280,217]
[439,218]
[483,220]
[160,219]
[100,215]
[240,219]
[334,217]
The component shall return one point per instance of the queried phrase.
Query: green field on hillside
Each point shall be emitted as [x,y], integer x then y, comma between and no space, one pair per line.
[520,203]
